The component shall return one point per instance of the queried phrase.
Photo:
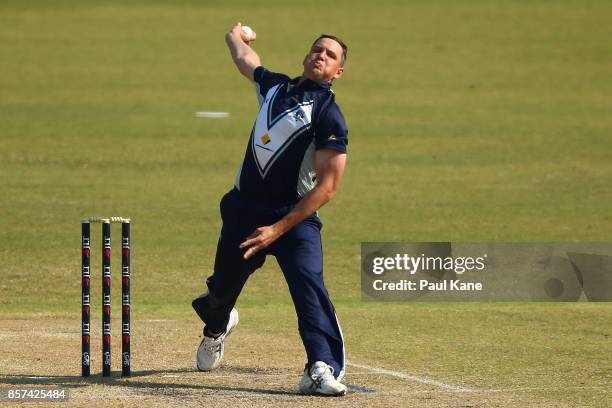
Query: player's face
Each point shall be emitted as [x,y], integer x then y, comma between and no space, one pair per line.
[323,61]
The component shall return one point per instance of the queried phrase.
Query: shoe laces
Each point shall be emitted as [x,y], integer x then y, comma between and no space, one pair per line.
[321,372]
[213,345]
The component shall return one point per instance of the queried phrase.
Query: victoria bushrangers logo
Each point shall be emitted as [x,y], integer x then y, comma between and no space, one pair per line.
[86,359]
[299,116]
[107,358]
[126,359]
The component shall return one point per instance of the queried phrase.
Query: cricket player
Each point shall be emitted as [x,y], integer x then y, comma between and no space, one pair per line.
[294,161]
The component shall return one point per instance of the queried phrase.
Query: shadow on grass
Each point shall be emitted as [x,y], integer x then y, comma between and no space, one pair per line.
[115,380]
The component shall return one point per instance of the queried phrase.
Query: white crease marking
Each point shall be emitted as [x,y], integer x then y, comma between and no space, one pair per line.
[404,376]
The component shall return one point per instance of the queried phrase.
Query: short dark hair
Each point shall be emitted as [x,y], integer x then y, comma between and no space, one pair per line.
[339,41]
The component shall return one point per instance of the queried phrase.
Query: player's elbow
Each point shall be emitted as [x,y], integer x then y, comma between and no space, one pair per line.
[246,71]
[329,192]
[331,196]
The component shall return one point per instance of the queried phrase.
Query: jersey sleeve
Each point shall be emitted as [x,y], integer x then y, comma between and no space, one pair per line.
[264,80]
[330,131]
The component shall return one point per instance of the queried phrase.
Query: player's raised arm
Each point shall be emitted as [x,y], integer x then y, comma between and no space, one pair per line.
[245,58]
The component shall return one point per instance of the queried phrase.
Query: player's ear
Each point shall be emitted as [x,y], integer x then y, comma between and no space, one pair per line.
[339,73]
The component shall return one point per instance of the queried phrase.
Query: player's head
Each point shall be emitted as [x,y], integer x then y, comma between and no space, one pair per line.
[325,60]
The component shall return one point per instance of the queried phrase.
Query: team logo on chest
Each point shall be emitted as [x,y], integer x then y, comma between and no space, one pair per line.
[298,116]
[272,135]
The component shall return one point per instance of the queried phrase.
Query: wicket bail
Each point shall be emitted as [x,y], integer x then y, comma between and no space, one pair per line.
[106,295]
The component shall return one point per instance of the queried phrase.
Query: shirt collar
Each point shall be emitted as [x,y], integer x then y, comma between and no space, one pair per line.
[310,85]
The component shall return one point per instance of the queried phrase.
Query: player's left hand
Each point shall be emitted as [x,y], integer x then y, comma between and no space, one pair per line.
[261,238]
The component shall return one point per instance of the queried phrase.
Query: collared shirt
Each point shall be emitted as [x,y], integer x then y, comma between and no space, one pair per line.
[293,122]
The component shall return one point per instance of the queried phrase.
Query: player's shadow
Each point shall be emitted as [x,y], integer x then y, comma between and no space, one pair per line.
[152,388]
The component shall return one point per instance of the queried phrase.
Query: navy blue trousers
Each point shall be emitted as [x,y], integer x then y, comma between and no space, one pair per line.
[300,257]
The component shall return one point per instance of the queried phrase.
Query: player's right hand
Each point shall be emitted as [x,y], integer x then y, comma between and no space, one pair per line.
[237,31]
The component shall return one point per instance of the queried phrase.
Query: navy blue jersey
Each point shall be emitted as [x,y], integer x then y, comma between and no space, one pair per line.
[293,122]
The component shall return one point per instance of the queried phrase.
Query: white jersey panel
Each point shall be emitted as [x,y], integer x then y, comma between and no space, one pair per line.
[306,176]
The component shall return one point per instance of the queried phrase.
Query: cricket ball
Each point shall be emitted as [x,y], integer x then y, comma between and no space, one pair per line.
[248,34]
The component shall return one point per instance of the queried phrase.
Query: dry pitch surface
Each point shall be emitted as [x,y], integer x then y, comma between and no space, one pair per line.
[258,370]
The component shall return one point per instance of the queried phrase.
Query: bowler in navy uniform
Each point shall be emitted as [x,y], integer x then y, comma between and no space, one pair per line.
[294,161]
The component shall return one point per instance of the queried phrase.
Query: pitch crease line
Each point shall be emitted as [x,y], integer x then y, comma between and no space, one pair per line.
[411,377]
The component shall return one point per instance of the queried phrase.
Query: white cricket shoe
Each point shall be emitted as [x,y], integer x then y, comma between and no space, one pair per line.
[210,351]
[319,379]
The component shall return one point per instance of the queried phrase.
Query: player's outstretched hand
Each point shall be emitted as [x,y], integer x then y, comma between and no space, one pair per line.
[261,238]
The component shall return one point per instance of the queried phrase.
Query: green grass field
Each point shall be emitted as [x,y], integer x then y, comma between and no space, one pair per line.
[469,121]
